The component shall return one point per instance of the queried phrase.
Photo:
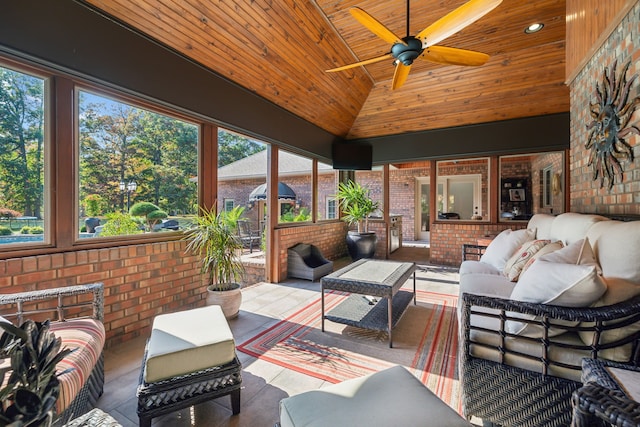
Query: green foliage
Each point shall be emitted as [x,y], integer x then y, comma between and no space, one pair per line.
[356,204]
[5,231]
[21,142]
[120,224]
[32,387]
[233,147]
[215,241]
[291,216]
[32,230]
[232,217]
[94,205]
[150,212]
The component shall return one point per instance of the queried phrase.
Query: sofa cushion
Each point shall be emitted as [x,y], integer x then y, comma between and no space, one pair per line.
[86,338]
[570,227]
[565,284]
[618,290]
[504,245]
[547,249]
[524,253]
[617,246]
[542,224]
[188,341]
[390,397]
[475,267]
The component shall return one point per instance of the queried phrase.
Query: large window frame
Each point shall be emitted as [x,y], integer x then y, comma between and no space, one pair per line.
[46,172]
[127,184]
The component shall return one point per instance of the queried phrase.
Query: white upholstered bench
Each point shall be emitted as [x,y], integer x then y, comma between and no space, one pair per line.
[190,358]
[393,397]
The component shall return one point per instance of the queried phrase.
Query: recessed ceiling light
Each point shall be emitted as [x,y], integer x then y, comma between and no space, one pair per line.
[533,28]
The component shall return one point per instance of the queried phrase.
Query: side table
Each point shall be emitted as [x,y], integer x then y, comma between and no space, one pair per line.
[604,399]
[93,418]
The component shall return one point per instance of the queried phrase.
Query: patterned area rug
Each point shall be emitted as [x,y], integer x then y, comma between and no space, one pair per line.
[425,340]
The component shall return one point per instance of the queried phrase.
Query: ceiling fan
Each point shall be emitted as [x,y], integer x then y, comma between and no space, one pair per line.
[422,46]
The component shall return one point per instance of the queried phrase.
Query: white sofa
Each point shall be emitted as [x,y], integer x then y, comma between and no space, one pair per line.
[522,341]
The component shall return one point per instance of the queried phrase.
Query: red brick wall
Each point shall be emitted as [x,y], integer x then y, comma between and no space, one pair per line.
[140,281]
[328,237]
[448,237]
[586,195]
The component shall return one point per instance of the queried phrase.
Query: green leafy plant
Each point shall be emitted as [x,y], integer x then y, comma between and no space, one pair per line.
[149,211]
[214,239]
[94,204]
[356,204]
[36,229]
[5,231]
[32,387]
[120,224]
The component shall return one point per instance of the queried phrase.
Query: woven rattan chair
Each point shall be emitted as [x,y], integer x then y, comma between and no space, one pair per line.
[305,261]
[499,392]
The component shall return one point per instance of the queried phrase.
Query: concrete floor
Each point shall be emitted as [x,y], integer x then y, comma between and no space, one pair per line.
[264,384]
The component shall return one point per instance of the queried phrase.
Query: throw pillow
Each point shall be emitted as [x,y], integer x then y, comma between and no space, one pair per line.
[514,266]
[545,282]
[547,249]
[578,252]
[504,245]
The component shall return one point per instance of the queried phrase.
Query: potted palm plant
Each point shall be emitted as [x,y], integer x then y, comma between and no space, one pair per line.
[357,207]
[214,239]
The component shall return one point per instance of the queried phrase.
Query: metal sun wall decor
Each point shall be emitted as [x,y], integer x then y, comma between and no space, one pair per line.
[611,114]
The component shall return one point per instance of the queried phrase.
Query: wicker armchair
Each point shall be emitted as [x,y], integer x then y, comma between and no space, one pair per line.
[496,385]
[63,306]
[305,261]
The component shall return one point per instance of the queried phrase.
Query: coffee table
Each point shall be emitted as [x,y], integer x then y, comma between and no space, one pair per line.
[374,278]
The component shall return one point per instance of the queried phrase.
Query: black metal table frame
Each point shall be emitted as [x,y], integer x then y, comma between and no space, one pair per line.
[385,289]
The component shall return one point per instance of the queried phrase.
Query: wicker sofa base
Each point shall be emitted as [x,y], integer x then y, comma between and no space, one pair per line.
[166,396]
[87,397]
[511,396]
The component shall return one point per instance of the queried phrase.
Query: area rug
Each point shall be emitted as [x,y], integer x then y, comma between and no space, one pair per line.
[424,340]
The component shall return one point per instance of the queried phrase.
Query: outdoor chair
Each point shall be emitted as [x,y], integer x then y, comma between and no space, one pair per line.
[247,236]
[305,261]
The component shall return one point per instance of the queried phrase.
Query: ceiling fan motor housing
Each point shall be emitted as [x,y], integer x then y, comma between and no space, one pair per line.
[407,53]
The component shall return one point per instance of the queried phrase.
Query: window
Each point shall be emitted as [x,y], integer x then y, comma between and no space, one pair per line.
[23,150]
[228,205]
[136,169]
[462,189]
[294,187]
[242,175]
[527,185]
[327,189]
[332,212]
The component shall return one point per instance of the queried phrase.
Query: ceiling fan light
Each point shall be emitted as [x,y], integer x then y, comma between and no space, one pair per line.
[534,28]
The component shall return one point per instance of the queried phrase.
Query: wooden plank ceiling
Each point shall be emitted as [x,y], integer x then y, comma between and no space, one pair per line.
[280,50]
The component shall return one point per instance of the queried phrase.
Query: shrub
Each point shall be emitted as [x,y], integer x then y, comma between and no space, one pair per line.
[94,205]
[5,231]
[32,230]
[25,230]
[120,224]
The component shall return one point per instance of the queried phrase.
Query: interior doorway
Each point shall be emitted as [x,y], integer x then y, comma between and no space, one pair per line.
[423,197]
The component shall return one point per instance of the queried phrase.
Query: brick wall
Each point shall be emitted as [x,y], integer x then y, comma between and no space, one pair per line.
[586,195]
[328,237]
[140,281]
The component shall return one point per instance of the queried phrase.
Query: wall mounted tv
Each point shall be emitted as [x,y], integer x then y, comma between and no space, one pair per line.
[352,156]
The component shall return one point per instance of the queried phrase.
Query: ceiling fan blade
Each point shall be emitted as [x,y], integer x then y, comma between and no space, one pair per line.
[375,26]
[454,56]
[456,20]
[358,64]
[400,75]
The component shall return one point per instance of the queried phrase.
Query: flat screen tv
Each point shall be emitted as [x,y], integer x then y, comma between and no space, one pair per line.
[352,156]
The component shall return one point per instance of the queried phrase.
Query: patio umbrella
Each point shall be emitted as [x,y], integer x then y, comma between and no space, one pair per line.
[260,192]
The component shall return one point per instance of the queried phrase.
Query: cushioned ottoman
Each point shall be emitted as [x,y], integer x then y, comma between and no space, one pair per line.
[393,397]
[190,358]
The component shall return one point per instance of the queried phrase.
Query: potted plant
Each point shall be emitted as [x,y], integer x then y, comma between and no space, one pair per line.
[357,207]
[214,239]
[30,393]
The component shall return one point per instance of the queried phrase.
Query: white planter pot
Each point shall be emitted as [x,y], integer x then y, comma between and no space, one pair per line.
[229,300]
